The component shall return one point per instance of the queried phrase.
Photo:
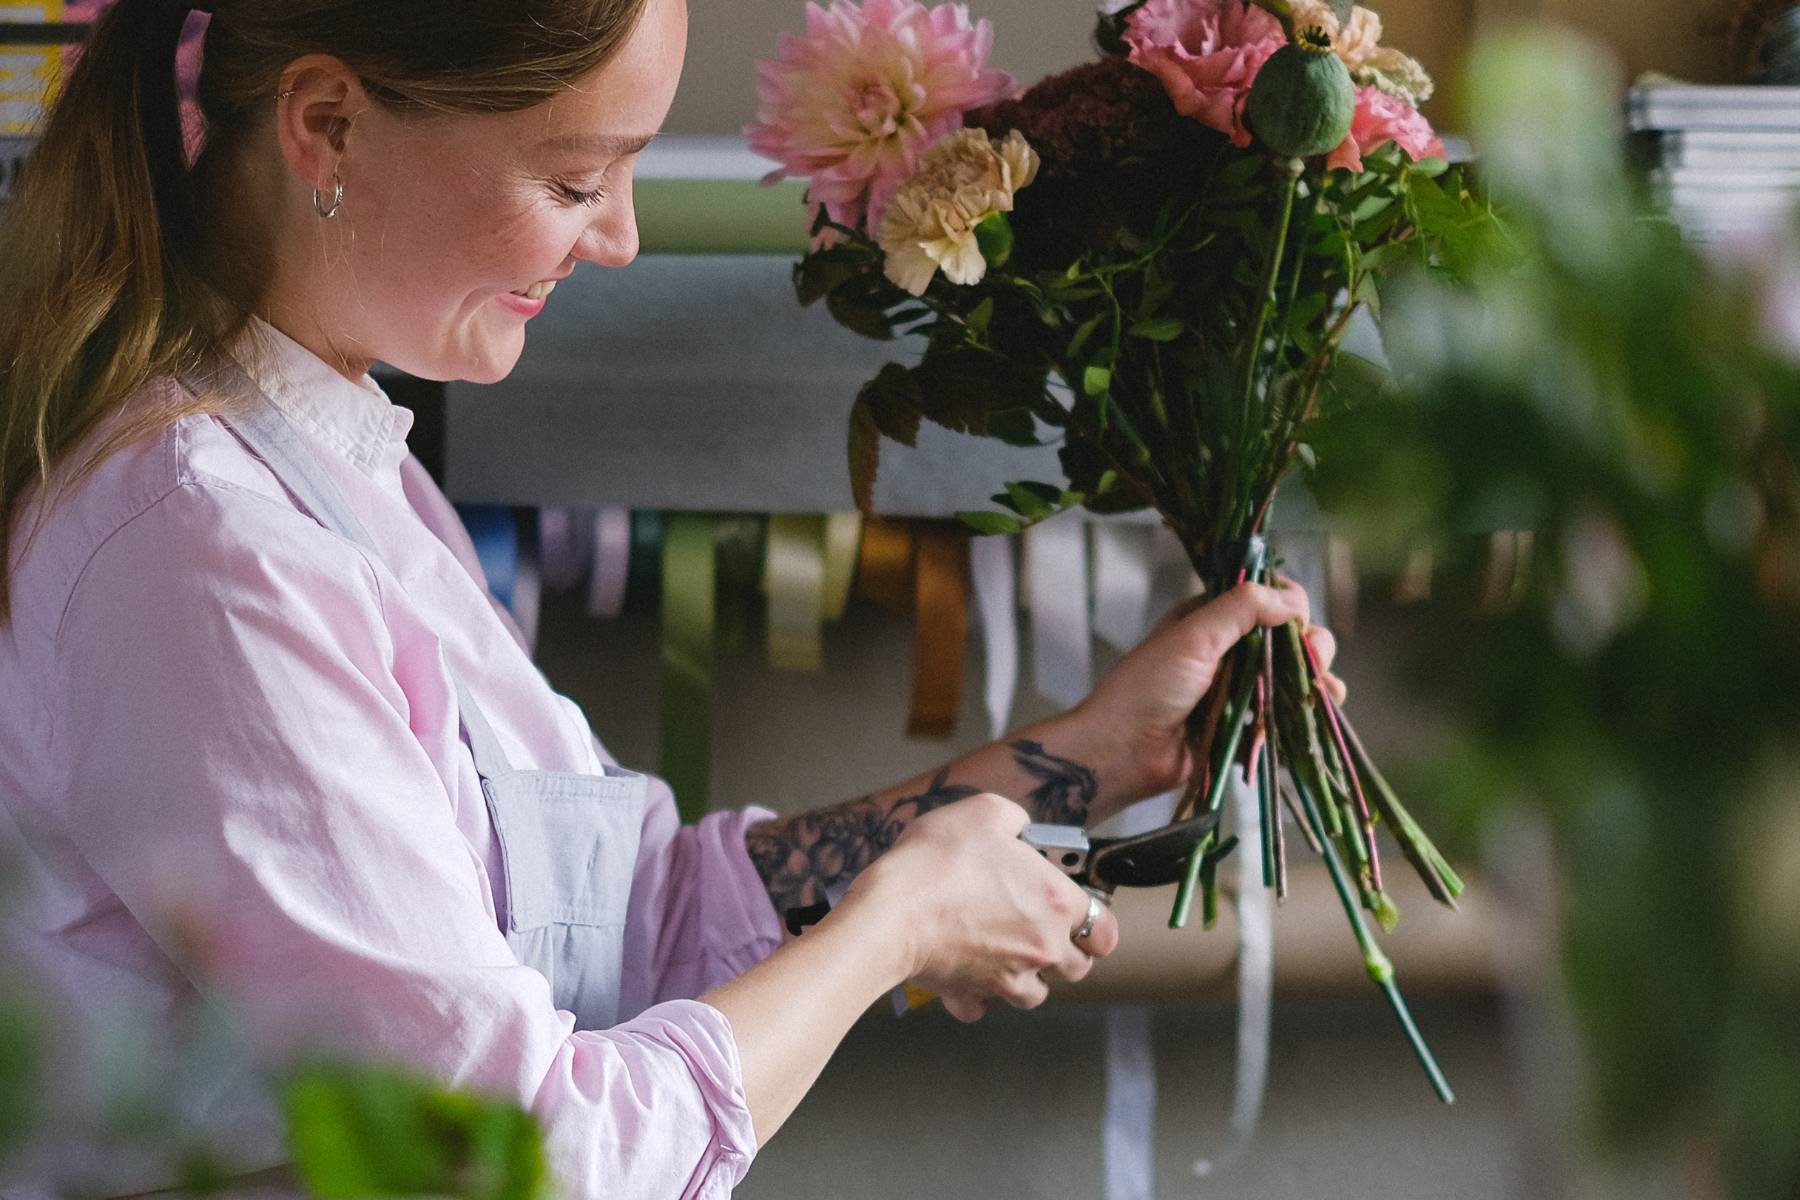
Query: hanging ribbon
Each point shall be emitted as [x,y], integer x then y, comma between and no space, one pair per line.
[1121,582]
[1061,635]
[496,537]
[565,546]
[1127,1140]
[527,589]
[923,568]
[843,539]
[884,565]
[643,582]
[612,563]
[793,578]
[995,581]
[941,637]
[1256,980]
[689,582]
[738,543]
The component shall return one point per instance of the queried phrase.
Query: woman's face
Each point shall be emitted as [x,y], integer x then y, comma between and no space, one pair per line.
[446,221]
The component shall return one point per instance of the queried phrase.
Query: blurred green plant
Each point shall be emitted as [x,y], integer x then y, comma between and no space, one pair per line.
[353,1130]
[1607,387]
[363,1132]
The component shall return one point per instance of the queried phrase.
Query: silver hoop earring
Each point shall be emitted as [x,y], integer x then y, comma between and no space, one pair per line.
[337,199]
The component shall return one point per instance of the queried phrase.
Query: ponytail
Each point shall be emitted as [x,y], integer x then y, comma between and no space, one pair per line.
[101,287]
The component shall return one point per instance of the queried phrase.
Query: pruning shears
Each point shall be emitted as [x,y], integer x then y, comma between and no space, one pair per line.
[1100,865]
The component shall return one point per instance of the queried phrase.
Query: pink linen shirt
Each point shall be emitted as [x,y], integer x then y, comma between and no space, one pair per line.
[230,757]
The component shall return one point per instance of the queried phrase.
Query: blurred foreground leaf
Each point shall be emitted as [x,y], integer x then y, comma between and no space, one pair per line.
[358,1133]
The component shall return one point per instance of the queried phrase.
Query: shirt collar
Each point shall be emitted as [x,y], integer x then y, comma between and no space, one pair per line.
[355,419]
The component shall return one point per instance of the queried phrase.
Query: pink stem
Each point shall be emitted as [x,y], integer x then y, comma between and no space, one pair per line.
[1364,818]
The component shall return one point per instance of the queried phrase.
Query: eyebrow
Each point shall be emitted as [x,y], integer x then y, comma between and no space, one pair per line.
[615,145]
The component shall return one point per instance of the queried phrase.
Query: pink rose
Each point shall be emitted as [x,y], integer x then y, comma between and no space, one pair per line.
[1381,118]
[1207,53]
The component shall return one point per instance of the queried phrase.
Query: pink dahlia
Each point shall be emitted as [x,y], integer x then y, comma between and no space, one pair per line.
[1381,118]
[1207,53]
[851,104]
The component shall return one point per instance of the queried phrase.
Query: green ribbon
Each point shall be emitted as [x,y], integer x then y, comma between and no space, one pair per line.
[689,606]
[643,582]
[843,538]
[738,542]
[794,580]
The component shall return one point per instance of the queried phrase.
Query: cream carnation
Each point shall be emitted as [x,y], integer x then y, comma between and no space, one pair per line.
[961,181]
[1358,44]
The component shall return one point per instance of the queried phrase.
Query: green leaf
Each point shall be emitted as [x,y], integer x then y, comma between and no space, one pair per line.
[994,236]
[816,275]
[1033,501]
[894,403]
[1158,329]
[23,1036]
[989,522]
[864,450]
[1083,332]
[979,317]
[1096,380]
[970,390]
[1014,426]
[859,313]
[362,1132]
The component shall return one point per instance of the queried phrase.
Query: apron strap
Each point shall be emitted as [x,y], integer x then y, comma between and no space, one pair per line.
[267,431]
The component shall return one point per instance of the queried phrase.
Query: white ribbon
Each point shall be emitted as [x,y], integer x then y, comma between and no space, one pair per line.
[1122,571]
[527,591]
[1256,979]
[565,546]
[1127,1138]
[612,562]
[995,582]
[1062,667]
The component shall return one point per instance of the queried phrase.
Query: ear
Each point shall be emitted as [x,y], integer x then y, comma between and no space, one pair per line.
[313,124]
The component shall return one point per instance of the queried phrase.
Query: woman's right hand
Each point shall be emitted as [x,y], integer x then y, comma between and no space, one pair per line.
[986,916]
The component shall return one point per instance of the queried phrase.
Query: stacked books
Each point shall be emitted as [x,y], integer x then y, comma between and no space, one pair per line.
[1724,160]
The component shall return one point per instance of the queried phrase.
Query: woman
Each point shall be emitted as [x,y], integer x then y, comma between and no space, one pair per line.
[263,733]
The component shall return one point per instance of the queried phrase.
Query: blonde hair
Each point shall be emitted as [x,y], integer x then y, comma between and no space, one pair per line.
[107,280]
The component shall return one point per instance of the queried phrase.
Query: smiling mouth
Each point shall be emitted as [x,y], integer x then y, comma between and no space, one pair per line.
[538,290]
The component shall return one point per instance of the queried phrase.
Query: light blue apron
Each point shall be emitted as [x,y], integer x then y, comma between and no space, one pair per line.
[568,842]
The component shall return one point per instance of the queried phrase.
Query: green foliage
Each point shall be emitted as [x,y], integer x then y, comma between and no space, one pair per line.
[23,1027]
[359,1133]
[1175,391]
[1592,379]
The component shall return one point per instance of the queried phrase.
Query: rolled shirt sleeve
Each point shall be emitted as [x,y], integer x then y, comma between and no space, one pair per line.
[241,759]
[700,914]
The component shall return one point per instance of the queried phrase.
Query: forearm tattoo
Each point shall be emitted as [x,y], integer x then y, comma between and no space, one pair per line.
[800,857]
[1066,789]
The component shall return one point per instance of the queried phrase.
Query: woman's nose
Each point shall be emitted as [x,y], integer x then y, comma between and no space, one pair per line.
[611,240]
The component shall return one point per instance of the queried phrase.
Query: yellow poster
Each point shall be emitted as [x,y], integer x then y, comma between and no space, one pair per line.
[28,74]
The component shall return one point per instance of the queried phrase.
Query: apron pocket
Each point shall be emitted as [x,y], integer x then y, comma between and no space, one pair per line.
[568,844]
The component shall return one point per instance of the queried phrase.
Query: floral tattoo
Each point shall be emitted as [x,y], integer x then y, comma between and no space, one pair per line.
[800,857]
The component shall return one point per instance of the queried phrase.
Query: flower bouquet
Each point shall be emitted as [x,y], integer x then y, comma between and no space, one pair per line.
[1150,260]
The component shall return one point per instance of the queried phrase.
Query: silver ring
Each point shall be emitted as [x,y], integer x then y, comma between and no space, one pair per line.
[1093,914]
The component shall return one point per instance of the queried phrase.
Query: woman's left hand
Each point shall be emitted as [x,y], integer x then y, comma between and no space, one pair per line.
[1142,704]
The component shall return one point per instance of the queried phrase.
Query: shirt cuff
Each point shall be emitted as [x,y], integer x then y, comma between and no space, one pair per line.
[702,1035]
